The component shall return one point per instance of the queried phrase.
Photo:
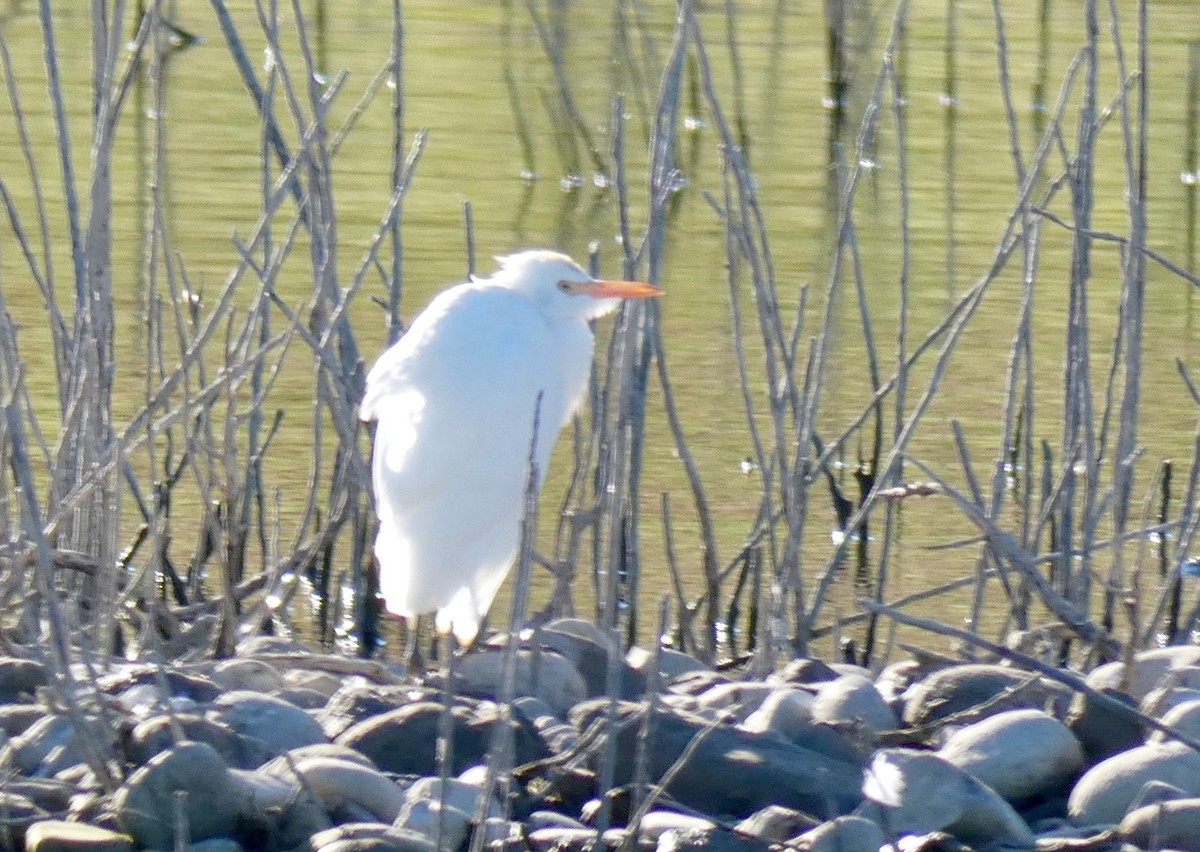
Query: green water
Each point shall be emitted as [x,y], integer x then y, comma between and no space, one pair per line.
[961,190]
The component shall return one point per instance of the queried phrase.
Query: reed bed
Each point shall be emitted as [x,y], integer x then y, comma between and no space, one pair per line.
[1080,534]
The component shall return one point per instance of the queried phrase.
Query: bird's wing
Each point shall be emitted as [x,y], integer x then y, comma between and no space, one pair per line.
[455,396]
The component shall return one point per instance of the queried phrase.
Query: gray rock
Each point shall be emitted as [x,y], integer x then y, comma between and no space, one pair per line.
[157,734]
[705,840]
[776,823]
[405,740]
[844,834]
[461,794]
[755,770]
[20,679]
[358,701]
[1104,728]
[656,822]
[584,645]
[341,783]
[275,723]
[279,809]
[853,698]
[245,673]
[1019,753]
[545,675]
[369,837]
[672,664]
[281,766]
[1149,668]
[17,718]
[446,826]
[18,813]
[958,688]
[1164,825]
[1162,699]
[29,751]
[322,682]
[1105,792]
[806,670]
[1184,718]
[305,699]
[552,819]
[917,792]
[786,711]
[732,701]
[54,835]
[573,840]
[171,683]
[145,805]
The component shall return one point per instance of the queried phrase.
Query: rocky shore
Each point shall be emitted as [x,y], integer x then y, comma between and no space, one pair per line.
[282,749]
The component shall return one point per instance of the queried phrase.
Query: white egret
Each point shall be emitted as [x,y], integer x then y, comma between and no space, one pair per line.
[455,401]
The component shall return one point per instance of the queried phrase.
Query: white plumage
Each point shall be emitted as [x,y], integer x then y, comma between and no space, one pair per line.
[454,399]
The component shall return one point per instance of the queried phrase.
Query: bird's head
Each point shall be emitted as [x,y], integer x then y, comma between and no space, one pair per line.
[562,286]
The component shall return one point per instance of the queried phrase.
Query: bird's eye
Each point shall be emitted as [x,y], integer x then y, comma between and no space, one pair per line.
[564,286]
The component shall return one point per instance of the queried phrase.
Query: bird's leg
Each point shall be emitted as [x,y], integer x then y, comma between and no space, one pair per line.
[445,740]
[414,660]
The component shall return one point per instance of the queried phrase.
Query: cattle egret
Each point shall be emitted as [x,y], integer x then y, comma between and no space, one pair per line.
[455,402]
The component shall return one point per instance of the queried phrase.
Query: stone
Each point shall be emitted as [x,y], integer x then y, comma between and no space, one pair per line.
[461,794]
[957,688]
[672,664]
[1104,728]
[27,751]
[1184,718]
[1019,753]
[276,724]
[787,711]
[1105,792]
[404,740]
[20,679]
[584,645]
[145,804]
[157,734]
[545,675]
[655,822]
[1149,668]
[843,834]
[853,698]
[1164,825]
[733,701]
[776,824]
[804,670]
[246,673]
[446,826]
[53,835]
[755,770]
[917,792]
[338,783]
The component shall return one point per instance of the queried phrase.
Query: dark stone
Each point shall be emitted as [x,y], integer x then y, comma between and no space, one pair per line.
[357,701]
[20,679]
[15,719]
[155,735]
[807,670]
[1104,730]
[730,772]
[591,660]
[696,682]
[145,803]
[404,740]
[179,684]
[273,722]
[958,688]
